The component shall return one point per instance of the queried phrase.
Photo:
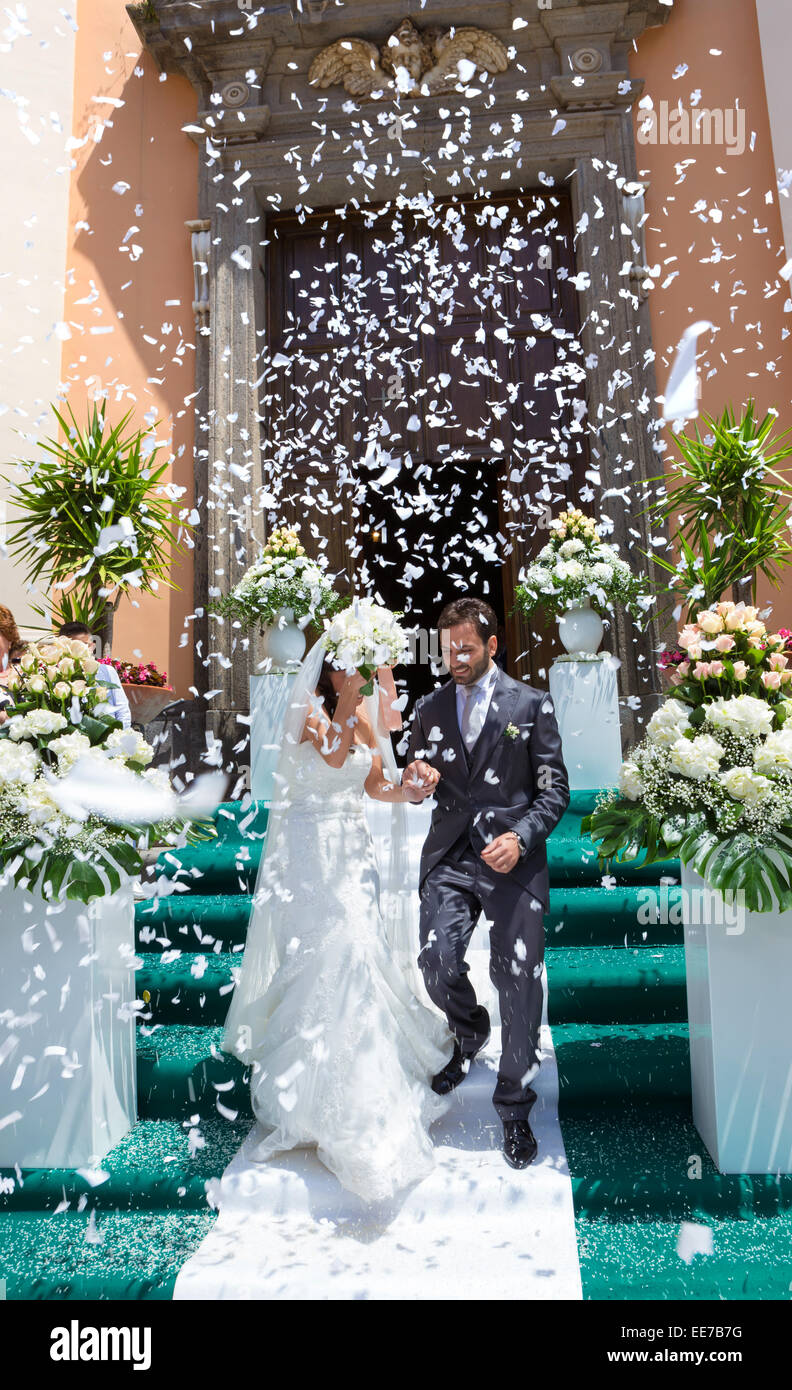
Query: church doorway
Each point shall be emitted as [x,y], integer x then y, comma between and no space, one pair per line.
[424,401]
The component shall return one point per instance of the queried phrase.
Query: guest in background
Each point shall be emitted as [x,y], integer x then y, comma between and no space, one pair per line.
[11,648]
[107,675]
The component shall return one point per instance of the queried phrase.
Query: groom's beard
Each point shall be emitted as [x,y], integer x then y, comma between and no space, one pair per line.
[470,673]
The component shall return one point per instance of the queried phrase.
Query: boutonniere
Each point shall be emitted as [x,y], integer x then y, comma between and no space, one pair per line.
[511,731]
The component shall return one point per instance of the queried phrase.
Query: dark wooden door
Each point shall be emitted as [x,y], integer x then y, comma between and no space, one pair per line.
[406,339]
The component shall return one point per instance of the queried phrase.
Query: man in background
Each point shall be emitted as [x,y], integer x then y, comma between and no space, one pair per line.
[106,675]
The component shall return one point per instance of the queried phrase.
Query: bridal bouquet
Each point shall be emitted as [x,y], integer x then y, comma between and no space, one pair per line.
[711,781]
[284,578]
[365,636]
[45,842]
[576,567]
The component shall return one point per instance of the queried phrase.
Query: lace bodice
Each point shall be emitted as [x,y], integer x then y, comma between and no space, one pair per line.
[317,788]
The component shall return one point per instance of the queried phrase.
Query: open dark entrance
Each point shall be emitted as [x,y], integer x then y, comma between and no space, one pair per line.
[433,541]
[424,401]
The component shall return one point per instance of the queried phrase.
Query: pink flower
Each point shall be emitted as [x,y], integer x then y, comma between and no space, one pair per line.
[716,668]
[701,670]
[778,661]
[740,670]
[724,643]
[694,651]
[683,668]
[771,680]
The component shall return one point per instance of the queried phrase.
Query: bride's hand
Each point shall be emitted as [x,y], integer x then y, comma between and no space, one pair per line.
[353,685]
[419,780]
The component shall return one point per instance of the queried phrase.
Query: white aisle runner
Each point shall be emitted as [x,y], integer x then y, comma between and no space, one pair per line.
[474,1229]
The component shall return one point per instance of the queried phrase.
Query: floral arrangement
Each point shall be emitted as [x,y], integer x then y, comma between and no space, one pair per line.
[56,674]
[576,566]
[365,636]
[711,781]
[136,672]
[55,724]
[282,579]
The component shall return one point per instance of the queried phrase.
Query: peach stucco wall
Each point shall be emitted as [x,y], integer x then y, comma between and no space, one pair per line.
[750,352]
[146,360]
[142,144]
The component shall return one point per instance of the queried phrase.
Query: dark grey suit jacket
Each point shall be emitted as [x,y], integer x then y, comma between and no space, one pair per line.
[511,784]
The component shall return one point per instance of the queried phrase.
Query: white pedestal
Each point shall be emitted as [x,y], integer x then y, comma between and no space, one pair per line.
[738,973]
[68,1086]
[269,697]
[585,697]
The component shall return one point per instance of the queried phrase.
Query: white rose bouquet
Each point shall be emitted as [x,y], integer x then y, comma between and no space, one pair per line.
[57,674]
[711,781]
[283,578]
[365,636]
[48,844]
[577,566]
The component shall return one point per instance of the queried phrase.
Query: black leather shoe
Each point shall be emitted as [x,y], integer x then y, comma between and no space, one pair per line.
[454,1071]
[519,1145]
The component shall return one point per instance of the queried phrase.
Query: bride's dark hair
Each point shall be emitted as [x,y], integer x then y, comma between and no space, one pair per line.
[324,687]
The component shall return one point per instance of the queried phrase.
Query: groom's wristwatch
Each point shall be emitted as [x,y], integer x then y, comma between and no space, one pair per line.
[521,845]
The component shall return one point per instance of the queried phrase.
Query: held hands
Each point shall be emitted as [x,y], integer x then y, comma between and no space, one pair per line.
[419,781]
[502,853]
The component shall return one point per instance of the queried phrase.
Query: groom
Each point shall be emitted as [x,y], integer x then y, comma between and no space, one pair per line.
[490,748]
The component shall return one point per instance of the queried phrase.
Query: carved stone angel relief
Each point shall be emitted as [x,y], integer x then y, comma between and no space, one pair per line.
[411,62]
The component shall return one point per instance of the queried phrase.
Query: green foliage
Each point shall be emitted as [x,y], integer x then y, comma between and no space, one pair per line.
[732,506]
[98,478]
[761,874]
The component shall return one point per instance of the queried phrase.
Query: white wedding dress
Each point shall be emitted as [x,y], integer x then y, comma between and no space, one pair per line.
[342,1049]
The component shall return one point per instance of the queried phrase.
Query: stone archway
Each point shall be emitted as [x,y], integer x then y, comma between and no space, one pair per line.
[555,116]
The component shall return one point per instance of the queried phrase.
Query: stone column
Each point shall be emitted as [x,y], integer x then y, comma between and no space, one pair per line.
[228,445]
[620,390]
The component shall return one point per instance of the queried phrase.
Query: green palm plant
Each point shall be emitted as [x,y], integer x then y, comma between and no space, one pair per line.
[93,519]
[732,507]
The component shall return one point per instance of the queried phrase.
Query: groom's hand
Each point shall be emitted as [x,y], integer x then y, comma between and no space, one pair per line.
[502,853]
[419,780]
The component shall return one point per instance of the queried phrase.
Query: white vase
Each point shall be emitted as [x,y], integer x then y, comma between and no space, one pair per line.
[738,967]
[284,641]
[68,1082]
[580,630]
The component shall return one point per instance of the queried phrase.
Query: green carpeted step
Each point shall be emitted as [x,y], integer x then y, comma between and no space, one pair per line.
[612,984]
[219,866]
[648,1161]
[593,915]
[241,820]
[181,1071]
[190,988]
[160,1164]
[624,1259]
[192,921]
[113,1255]
[610,1063]
[573,860]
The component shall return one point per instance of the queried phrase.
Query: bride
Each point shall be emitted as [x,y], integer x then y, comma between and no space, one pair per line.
[329,1006]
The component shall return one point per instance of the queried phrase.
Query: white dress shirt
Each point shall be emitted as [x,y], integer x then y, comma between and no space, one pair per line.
[117,702]
[481,695]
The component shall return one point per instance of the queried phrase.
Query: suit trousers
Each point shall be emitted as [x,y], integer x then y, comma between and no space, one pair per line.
[453,896]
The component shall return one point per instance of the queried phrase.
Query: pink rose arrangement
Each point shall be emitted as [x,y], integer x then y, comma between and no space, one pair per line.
[728,651]
[137,672]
